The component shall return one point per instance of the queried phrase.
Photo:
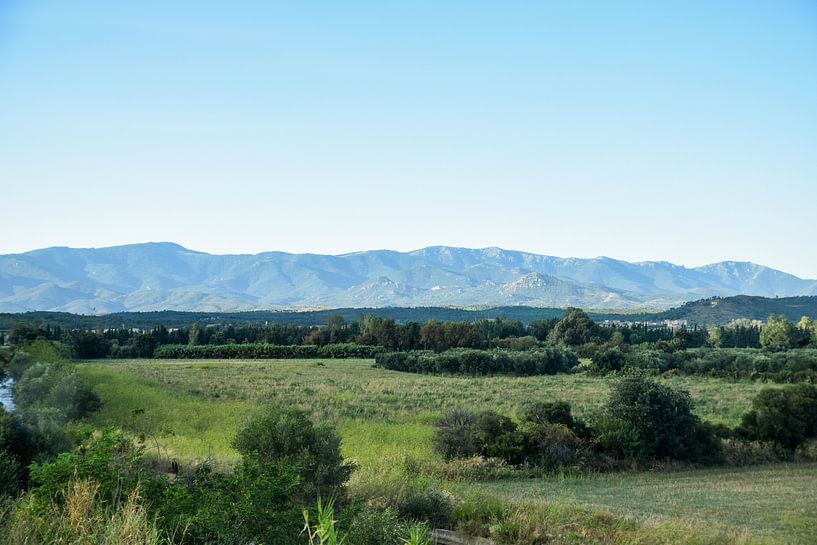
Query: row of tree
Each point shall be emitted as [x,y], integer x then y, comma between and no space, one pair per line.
[575,329]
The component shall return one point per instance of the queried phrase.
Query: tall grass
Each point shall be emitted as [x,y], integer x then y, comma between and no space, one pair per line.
[82,520]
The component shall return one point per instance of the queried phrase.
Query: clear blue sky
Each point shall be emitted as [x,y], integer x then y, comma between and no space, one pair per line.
[636,130]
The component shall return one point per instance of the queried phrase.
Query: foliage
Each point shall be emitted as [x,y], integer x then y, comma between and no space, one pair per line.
[371,526]
[576,328]
[786,416]
[547,361]
[647,420]
[324,531]
[285,435]
[254,503]
[9,474]
[260,350]
[455,435]
[777,333]
[83,518]
[611,359]
[541,440]
[795,365]
[417,534]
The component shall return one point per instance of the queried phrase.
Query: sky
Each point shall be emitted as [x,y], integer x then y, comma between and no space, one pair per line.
[677,131]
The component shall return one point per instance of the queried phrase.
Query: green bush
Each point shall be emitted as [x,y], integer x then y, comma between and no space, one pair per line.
[455,435]
[266,351]
[647,420]
[540,361]
[14,438]
[277,434]
[550,446]
[9,474]
[739,452]
[786,366]
[544,439]
[555,412]
[255,503]
[82,517]
[785,416]
[73,396]
[428,505]
[375,527]
[611,359]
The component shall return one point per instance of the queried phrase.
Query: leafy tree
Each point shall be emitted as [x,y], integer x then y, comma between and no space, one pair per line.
[777,333]
[609,360]
[576,328]
[541,328]
[194,336]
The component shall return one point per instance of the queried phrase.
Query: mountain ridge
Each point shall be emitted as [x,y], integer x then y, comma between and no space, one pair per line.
[165,275]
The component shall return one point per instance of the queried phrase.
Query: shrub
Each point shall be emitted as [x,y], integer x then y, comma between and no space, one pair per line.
[266,351]
[786,416]
[107,458]
[477,468]
[645,420]
[455,435]
[256,503]
[73,396]
[278,434]
[611,359]
[253,503]
[555,412]
[738,452]
[806,452]
[46,430]
[375,527]
[431,505]
[536,441]
[14,438]
[9,474]
[550,446]
[19,363]
[545,361]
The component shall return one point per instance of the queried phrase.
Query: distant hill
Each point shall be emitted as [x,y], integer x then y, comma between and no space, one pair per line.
[720,310]
[160,276]
[702,312]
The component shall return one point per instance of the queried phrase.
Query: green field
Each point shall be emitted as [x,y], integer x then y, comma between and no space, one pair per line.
[778,500]
[191,410]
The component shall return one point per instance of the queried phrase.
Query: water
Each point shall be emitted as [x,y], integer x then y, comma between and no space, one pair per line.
[5,394]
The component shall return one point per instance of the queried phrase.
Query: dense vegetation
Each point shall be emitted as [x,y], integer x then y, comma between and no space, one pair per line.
[544,361]
[574,329]
[286,460]
[261,350]
[64,482]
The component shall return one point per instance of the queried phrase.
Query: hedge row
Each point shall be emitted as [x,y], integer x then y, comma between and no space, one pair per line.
[784,366]
[264,351]
[546,361]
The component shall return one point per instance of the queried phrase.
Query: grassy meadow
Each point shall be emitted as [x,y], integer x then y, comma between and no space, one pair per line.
[190,410]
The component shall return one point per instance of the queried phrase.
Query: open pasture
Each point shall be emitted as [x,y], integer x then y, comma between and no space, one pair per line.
[192,409]
[776,500]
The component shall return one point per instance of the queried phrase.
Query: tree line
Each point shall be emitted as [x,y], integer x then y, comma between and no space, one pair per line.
[575,329]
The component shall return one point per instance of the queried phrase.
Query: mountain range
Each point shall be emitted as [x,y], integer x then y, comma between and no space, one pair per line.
[157,276]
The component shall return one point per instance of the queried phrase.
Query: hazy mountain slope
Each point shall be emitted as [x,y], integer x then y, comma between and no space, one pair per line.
[702,312]
[155,276]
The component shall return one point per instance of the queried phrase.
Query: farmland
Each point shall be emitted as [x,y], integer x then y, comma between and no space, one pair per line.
[191,410]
